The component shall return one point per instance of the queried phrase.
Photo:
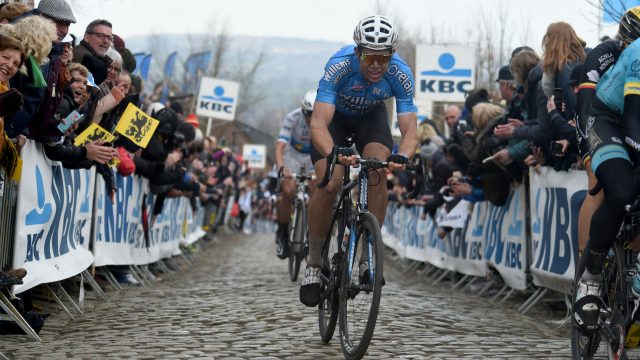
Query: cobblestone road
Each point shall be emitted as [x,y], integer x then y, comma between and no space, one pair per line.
[236,302]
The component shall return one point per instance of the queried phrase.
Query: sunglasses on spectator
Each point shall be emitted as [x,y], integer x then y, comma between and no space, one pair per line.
[369,59]
[102,36]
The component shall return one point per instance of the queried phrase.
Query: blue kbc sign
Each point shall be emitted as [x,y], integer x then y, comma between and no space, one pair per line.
[217,98]
[439,81]
[444,73]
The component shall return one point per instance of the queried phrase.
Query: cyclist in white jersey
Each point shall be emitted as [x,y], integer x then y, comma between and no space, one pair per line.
[292,156]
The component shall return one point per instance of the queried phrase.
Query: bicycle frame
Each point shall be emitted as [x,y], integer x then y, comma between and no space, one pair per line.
[354,211]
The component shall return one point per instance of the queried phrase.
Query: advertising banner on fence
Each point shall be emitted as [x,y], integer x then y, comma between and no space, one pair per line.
[120,227]
[167,227]
[413,237]
[555,201]
[53,219]
[505,239]
[194,222]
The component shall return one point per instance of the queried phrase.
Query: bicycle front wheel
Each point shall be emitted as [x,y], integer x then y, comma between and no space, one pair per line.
[360,293]
[583,346]
[331,263]
[615,297]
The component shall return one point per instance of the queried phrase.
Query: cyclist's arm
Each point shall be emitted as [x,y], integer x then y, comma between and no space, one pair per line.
[407,123]
[630,122]
[280,146]
[319,127]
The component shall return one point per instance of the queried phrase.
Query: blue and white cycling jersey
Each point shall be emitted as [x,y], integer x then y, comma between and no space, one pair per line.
[622,79]
[344,86]
[295,132]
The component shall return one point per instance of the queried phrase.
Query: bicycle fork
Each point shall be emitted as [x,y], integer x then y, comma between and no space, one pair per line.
[351,255]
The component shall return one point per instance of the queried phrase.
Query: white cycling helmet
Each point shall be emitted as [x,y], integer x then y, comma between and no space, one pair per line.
[376,33]
[308,99]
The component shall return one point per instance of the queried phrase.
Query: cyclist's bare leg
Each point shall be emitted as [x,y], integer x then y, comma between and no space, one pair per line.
[285,203]
[589,206]
[313,185]
[378,198]
[320,207]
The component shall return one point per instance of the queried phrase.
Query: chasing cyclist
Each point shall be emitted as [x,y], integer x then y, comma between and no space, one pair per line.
[292,155]
[356,81]
[613,138]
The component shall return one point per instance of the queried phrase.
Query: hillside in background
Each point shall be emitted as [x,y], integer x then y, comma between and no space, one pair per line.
[290,67]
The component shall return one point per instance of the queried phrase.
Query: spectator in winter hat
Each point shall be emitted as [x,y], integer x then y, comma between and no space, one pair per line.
[60,13]
[128,60]
[118,42]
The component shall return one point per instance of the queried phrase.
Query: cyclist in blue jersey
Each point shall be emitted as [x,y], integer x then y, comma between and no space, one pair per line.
[613,139]
[356,82]
[292,154]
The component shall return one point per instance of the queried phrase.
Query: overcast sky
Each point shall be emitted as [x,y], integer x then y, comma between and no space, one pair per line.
[335,19]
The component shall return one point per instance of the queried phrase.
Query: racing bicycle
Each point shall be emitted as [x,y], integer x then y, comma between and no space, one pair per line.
[346,294]
[298,231]
[617,330]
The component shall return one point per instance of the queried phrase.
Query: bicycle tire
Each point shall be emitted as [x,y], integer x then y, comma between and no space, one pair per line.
[618,295]
[357,329]
[329,299]
[297,242]
[613,288]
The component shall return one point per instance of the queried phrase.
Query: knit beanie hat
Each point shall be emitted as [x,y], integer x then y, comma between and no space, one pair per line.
[57,9]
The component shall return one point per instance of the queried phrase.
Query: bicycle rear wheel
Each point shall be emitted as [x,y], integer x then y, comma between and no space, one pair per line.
[330,268]
[360,298]
[296,248]
[617,297]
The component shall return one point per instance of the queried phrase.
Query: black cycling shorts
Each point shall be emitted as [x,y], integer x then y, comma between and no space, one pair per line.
[370,127]
[605,137]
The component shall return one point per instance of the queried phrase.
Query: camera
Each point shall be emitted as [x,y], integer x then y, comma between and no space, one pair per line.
[557,99]
[556,149]
[445,190]
[463,126]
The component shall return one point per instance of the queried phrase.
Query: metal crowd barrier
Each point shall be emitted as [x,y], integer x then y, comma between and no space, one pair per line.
[8,191]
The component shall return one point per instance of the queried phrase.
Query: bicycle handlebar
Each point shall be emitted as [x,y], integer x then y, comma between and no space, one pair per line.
[373,164]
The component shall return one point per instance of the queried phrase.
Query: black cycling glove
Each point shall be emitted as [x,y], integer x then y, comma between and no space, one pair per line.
[344,151]
[398,159]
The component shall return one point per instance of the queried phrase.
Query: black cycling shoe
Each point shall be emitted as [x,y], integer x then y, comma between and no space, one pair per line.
[282,243]
[310,289]
[586,309]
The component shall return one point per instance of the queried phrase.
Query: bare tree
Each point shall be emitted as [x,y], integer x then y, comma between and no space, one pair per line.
[613,8]
[493,37]
[235,64]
